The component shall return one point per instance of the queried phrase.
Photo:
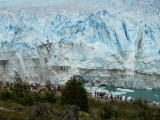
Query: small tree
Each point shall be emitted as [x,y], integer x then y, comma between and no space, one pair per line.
[18,86]
[48,85]
[75,94]
[17,78]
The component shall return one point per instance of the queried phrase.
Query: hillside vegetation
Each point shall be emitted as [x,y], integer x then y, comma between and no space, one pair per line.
[20,103]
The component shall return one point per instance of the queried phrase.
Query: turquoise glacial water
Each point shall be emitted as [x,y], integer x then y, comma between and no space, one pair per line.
[153,95]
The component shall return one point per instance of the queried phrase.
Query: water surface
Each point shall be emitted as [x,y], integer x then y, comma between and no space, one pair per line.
[153,95]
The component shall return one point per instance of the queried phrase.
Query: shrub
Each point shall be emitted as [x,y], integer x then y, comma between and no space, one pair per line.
[72,113]
[50,97]
[48,85]
[140,103]
[75,94]
[37,97]
[84,115]
[7,95]
[27,99]
[42,111]
[19,87]
[108,112]
[26,87]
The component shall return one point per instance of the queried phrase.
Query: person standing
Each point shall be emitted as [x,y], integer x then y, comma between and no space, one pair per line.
[95,94]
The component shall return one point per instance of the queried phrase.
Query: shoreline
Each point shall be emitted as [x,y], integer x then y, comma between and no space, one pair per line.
[120,95]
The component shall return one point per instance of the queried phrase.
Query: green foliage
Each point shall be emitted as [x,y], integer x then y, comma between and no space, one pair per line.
[72,113]
[26,87]
[95,109]
[19,87]
[110,111]
[7,95]
[50,97]
[107,113]
[42,111]
[27,99]
[140,103]
[75,94]
[84,115]
[46,106]
[115,110]
[17,78]
[48,85]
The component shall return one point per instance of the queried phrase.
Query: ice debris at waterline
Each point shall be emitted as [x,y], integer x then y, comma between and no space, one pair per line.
[93,90]
[111,42]
[125,90]
[124,94]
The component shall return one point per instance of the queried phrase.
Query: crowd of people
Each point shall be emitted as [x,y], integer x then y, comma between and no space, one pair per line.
[110,97]
[107,96]
[97,95]
[34,86]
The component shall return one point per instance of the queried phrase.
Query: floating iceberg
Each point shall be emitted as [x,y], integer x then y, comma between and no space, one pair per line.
[125,90]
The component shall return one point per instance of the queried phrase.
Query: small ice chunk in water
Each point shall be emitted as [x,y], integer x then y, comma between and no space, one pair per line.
[125,90]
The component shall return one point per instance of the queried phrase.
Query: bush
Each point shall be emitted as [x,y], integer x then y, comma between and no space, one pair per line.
[7,95]
[18,84]
[42,111]
[108,112]
[50,97]
[75,94]
[72,113]
[27,99]
[26,87]
[19,87]
[37,97]
[84,115]
[48,85]
[140,103]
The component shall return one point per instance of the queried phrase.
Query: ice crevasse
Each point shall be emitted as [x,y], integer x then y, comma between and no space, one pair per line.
[100,41]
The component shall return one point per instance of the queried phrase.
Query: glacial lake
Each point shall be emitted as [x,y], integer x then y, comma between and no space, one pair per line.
[153,95]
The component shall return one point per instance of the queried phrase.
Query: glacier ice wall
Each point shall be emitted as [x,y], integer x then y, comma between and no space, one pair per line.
[102,41]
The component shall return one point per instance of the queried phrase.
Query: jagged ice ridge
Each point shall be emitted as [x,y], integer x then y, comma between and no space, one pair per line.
[112,42]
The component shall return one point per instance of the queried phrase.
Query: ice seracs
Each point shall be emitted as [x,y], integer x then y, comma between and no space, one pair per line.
[112,43]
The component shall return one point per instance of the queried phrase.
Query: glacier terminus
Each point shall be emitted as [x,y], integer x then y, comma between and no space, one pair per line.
[94,40]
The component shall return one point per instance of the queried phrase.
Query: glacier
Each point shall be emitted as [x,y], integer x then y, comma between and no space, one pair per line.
[111,42]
